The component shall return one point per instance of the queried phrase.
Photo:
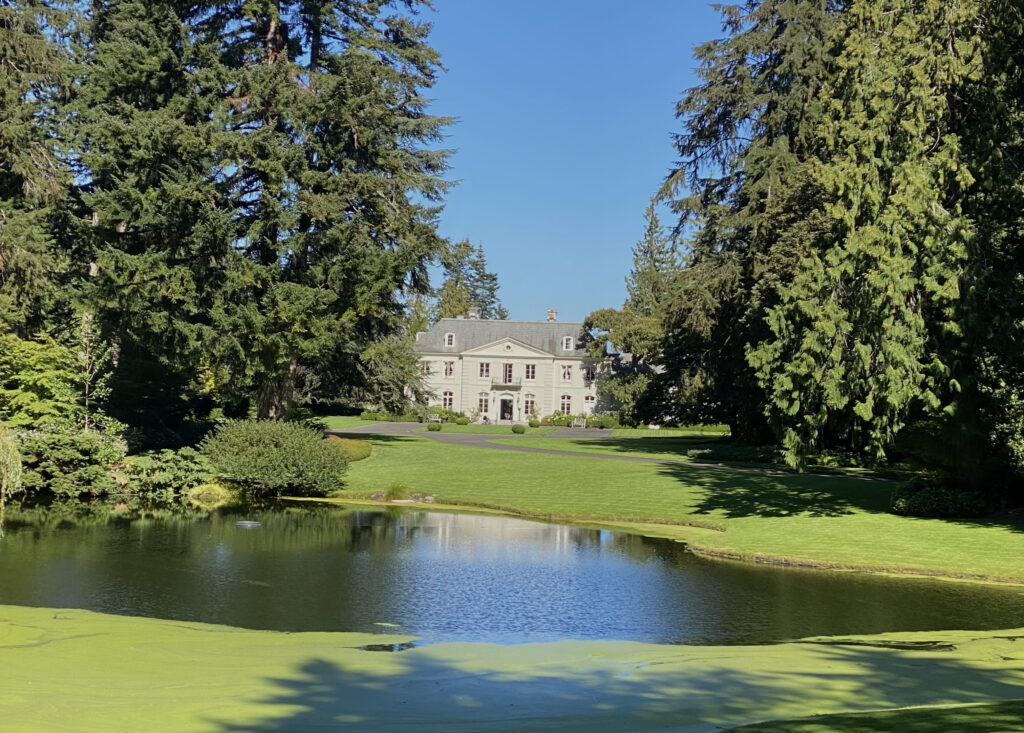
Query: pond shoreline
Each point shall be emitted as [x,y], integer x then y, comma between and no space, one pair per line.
[662,530]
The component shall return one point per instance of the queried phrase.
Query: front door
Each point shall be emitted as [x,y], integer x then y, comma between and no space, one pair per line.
[506,409]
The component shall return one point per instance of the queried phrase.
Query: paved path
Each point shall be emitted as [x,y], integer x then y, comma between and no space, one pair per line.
[485,440]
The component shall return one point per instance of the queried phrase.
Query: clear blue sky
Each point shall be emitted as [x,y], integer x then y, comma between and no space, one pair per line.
[565,110]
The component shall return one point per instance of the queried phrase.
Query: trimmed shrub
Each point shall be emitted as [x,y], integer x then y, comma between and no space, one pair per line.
[534,423]
[166,473]
[434,427]
[603,422]
[403,417]
[69,462]
[367,415]
[926,499]
[273,458]
[518,429]
[558,419]
[354,450]
[446,414]
[462,420]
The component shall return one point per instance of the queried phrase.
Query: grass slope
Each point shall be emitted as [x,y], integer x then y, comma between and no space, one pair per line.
[812,520]
[85,672]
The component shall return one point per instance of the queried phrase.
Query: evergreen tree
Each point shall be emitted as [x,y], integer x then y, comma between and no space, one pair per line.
[743,183]
[850,352]
[333,181]
[483,286]
[468,284]
[636,330]
[34,77]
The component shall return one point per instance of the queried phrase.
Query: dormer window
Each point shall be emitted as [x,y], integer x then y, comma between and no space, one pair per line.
[567,344]
[449,339]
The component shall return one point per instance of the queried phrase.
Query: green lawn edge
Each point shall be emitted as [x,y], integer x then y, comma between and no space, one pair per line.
[76,670]
[809,521]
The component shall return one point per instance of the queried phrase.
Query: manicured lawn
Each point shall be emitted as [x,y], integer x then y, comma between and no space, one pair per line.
[338,422]
[487,430]
[670,432]
[755,515]
[996,717]
[72,670]
[677,448]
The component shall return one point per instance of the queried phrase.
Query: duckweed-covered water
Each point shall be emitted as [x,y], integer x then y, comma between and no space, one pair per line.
[457,577]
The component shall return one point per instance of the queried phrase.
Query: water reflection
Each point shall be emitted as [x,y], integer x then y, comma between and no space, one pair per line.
[453,576]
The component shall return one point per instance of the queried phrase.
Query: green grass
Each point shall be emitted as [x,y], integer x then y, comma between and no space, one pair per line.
[670,432]
[487,429]
[700,447]
[832,521]
[996,717]
[72,670]
[338,422]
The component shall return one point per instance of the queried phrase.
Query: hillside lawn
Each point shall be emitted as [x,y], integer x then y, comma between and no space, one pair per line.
[747,514]
[74,670]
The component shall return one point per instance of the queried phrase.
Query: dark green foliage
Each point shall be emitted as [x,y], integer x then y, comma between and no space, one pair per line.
[518,429]
[368,415]
[558,419]
[166,474]
[272,458]
[69,462]
[434,427]
[468,284]
[929,499]
[534,423]
[463,420]
[445,414]
[603,422]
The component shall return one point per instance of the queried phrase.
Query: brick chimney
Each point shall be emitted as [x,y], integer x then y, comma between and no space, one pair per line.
[474,314]
[552,315]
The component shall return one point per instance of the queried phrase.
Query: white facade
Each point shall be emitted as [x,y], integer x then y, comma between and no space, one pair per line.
[507,379]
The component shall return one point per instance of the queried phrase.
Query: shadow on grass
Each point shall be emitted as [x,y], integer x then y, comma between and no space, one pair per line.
[372,437]
[755,494]
[426,692]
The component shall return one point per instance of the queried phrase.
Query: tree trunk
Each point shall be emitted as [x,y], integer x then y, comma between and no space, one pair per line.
[276,394]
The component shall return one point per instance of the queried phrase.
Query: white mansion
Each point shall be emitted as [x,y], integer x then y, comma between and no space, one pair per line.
[507,371]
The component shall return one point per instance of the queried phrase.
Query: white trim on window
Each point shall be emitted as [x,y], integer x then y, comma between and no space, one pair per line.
[449,339]
[449,368]
[567,343]
[447,400]
[566,372]
[566,404]
[531,372]
[485,369]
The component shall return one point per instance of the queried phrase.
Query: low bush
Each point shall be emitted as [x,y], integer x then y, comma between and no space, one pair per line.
[462,420]
[354,450]
[558,419]
[603,422]
[69,462]
[273,458]
[434,427]
[518,429]
[534,423]
[446,414]
[166,473]
[923,498]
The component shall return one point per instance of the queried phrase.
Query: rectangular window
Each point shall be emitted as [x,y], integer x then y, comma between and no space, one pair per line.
[531,371]
[447,400]
[449,368]
[566,372]
[530,405]
[485,370]
[588,374]
[506,373]
[425,366]
[483,404]
[449,339]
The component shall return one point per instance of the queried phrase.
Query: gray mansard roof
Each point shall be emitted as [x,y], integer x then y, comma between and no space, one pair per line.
[472,333]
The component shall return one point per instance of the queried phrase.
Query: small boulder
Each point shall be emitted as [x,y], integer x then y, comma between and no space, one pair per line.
[379,496]
[429,500]
[416,497]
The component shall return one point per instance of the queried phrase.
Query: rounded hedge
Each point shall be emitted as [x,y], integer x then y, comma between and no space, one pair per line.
[434,427]
[462,420]
[534,423]
[518,429]
[273,458]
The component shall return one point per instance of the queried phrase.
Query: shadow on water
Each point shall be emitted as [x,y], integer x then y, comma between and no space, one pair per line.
[616,692]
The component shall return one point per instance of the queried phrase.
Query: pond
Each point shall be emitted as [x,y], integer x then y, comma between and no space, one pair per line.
[461,577]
